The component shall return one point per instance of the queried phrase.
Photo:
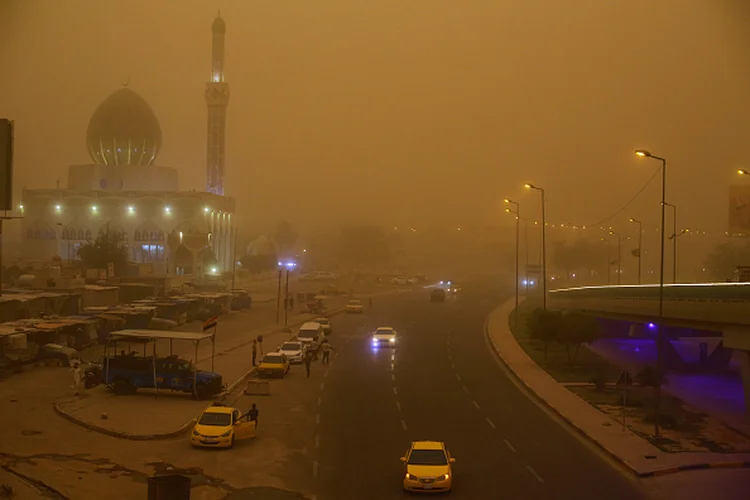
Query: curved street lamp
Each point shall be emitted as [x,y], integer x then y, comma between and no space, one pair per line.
[544,242]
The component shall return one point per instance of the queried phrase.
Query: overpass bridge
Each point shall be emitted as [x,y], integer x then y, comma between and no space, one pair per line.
[719,307]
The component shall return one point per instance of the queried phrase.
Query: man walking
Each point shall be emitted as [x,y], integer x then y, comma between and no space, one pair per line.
[255,351]
[327,348]
[308,360]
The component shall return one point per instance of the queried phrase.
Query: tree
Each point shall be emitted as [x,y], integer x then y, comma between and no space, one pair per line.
[725,257]
[545,326]
[576,329]
[285,237]
[108,247]
[364,246]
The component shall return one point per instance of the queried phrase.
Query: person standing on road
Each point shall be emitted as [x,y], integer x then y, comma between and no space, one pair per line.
[252,415]
[76,371]
[308,360]
[255,351]
[327,348]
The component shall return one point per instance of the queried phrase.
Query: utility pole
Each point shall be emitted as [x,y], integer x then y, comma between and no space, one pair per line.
[278,297]
[286,300]
[234,258]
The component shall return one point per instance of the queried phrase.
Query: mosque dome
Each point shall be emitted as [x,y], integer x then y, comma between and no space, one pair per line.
[124,131]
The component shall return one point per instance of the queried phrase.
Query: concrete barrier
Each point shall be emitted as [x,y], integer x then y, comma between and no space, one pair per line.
[257,387]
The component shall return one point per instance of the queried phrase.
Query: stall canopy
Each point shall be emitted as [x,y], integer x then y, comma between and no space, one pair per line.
[147,336]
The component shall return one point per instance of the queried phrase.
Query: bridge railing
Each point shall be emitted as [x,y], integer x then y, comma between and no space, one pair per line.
[721,292]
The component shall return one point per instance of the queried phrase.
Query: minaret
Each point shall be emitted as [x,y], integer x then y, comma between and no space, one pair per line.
[217,99]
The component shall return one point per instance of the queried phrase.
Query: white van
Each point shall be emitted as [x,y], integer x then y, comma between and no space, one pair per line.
[311,333]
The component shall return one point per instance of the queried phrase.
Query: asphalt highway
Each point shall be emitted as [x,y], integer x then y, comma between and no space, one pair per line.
[443,383]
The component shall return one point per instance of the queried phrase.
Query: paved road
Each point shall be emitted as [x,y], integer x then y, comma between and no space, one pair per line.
[443,383]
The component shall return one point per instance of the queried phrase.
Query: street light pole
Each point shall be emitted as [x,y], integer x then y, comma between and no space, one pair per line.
[674,241]
[640,246]
[286,299]
[544,242]
[518,221]
[278,297]
[234,258]
[619,256]
[659,333]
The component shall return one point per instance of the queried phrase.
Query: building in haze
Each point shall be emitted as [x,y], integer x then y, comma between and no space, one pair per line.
[124,190]
[217,99]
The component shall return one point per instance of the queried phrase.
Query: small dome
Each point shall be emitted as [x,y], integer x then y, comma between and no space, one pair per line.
[219,26]
[124,131]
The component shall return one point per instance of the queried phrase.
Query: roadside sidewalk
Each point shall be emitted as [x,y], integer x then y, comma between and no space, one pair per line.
[139,417]
[635,452]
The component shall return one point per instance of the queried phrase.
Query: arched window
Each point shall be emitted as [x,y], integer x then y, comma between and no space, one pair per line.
[81,234]
[137,235]
[88,235]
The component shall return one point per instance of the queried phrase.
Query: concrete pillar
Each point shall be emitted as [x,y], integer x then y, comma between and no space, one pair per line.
[744,357]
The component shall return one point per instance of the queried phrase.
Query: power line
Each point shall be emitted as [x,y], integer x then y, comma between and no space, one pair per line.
[632,200]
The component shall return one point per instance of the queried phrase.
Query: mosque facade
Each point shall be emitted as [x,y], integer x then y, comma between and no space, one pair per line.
[124,190]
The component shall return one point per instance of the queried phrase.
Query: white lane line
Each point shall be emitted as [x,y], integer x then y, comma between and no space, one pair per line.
[476,405]
[458,377]
[317,418]
[326,373]
[507,443]
[465,389]
[393,357]
[393,367]
[395,391]
[322,384]
[534,473]
[315,468]
[319,401]
[393,376]
[403,424]
[490,422]
[453,366]
[398,406]
[317,441]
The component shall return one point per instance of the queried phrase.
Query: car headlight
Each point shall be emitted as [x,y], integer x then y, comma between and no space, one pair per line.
[196,433]
[443,477]
[226,434]
[411,477]
[374,340]
[393,340]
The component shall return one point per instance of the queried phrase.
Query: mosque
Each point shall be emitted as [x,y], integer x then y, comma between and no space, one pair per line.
[124,190]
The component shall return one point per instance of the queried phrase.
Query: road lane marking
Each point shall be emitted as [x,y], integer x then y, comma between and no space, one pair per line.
[317,418]
[490,422]
[319,401]
[393,367]
[326,373]
[534,473]
[393,357]
[398,406]
[453,366]
[465,389]
[507,443]
[393,376]
[458,377]
[315,468]
[395,391]
[317,441]
[476,405]
[322,384]
[403,424]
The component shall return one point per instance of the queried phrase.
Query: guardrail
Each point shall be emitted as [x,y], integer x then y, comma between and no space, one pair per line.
[689,291]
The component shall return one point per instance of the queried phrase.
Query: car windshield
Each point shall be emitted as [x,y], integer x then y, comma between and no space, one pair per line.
[384,332]
[273,359]
[307,334]
[291,346]
[216,419]
[428,457]
[355,303]
[323,321]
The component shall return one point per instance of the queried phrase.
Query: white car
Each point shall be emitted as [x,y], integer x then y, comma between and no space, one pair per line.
[384,336]
[326,324]
[354,306]
[294,351]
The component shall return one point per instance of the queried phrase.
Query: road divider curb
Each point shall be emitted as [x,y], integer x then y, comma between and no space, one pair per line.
[630,467]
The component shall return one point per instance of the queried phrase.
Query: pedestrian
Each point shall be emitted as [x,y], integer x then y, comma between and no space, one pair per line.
[255,351]
[252,415]
[308,360]
[327,348]
[76,371]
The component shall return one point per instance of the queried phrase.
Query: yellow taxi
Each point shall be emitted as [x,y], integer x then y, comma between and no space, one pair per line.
[429,467]
[220,426]
[273,364]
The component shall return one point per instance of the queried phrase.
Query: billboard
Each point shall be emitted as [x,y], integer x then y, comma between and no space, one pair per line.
[739,209]
[6,164]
